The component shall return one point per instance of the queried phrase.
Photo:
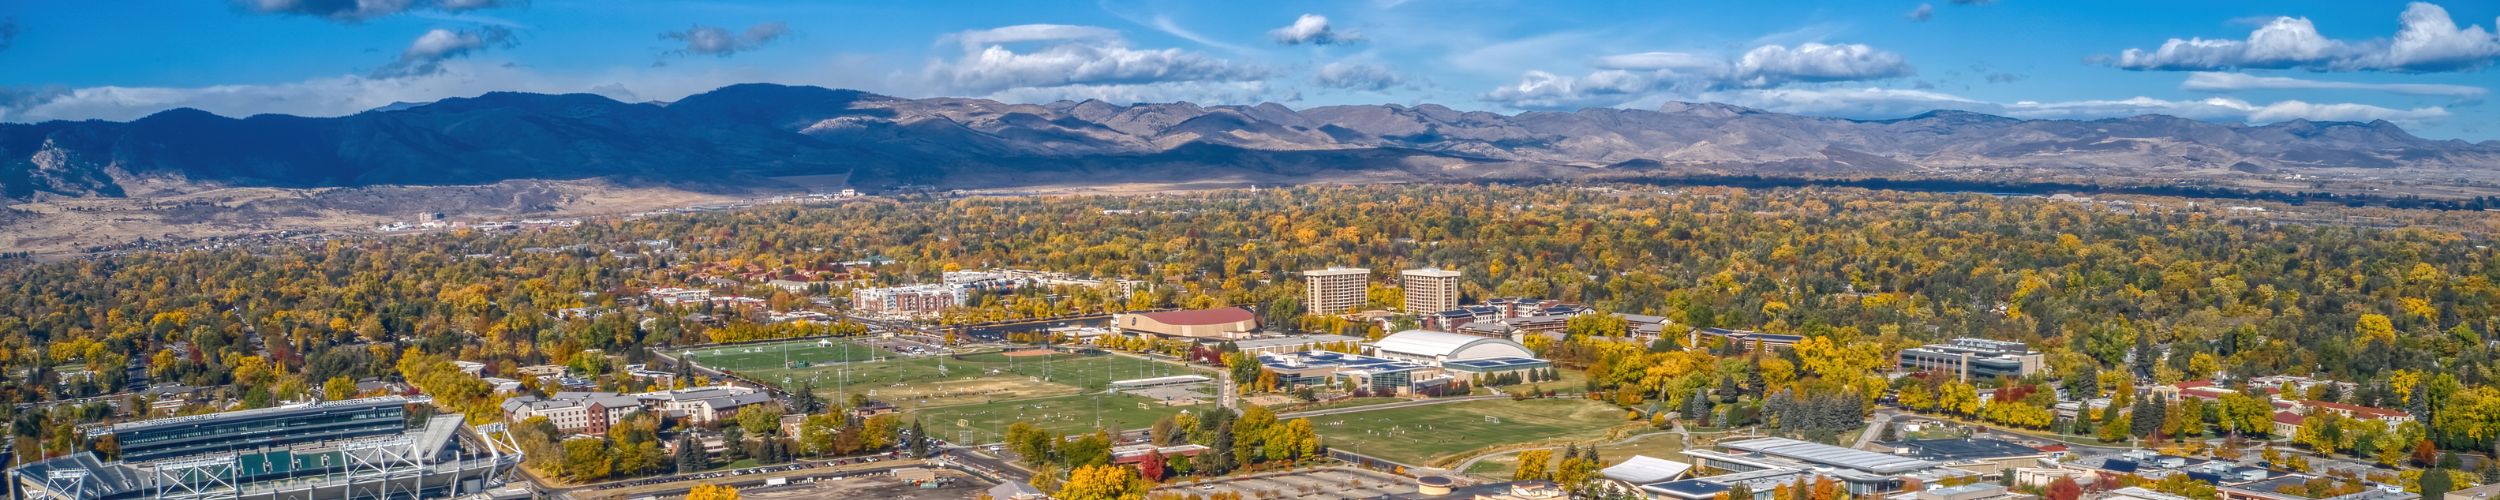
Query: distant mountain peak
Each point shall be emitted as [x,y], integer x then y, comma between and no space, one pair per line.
[759,130]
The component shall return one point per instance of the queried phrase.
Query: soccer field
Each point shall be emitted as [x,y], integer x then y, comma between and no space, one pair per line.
[981,423]
[937,381]
[1420,435]
[766,356]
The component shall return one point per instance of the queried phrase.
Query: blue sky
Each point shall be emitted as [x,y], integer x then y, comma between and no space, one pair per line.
[2428,66]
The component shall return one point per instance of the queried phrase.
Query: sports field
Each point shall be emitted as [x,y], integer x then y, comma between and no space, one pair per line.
[981,423]
[758,356]
[1420,435]
[914,382]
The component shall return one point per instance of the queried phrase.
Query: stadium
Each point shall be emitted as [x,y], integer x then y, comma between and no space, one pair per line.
[360,448]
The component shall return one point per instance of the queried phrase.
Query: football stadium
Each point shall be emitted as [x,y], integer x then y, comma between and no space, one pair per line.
[359,448]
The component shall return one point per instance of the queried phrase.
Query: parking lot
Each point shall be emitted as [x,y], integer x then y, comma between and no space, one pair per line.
[1328,483]
[953,485]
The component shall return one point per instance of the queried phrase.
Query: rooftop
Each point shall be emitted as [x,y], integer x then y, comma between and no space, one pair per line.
[1824,454]
[1216,316]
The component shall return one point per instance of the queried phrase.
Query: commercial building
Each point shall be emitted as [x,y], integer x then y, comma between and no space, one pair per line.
[1429,289]
[1218,323]
[908,300]
[1974,358]
[1292,343]
[1861,472]
[1434,348]
[574,412]
[592,412]
[1366,373]
[316,451]
[1334,290]
[1745,339]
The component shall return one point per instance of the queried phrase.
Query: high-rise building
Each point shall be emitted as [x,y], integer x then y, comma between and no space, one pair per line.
[1429,290]
[1334,290]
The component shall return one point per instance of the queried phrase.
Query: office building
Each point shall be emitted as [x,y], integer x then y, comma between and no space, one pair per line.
[1429,290]
[1970,358]
[1335,290]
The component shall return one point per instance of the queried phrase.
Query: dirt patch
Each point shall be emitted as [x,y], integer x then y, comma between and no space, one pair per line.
[960,392]
[1028,353]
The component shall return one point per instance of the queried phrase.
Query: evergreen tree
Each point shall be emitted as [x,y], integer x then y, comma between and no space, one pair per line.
[2145,354]
[690,454]
[1698,405]
[919,440]
[804,400]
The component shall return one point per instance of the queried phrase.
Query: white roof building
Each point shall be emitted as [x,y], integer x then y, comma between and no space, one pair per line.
[1431,347]
[1643,469]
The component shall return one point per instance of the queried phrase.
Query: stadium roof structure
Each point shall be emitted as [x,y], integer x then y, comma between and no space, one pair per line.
[1494,364]
[1644,469]
[1828,455]
[1428,343]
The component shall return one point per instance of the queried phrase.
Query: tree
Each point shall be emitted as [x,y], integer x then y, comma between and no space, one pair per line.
[712,492]
[1532,466]
[2435,483]
[1102,482]
[690,454]
[338,388]
[804,400]
[2064,488]
[1152,467]
[760,420]
[1161,432]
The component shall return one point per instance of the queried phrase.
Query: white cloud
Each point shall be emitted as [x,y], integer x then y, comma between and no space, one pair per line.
[2222,109]
[426,55]
[1355,75]
[1025,33]
[1859,103]
[2428,41]
[2232,82]
[718,41]
[1312,29]
[352,11]
[1548,91]
[1071,56]
[1814,62]
[1625,78]
[1922,13]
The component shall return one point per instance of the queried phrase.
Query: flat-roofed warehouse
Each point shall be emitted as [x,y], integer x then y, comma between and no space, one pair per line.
[1434,348]
[1832,456]
[1217,323]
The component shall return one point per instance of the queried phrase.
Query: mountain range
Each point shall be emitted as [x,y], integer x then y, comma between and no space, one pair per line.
[755,132]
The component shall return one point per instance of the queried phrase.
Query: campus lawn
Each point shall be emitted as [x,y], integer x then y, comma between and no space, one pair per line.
[1347,403]
[1420,435]
[982,423]
[938,381]
[1657,445]
[767,356]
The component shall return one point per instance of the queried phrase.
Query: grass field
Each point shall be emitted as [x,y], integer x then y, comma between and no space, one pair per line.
[981,423]
[1422,434]
[1659,445]
[931,381]
[765,356]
